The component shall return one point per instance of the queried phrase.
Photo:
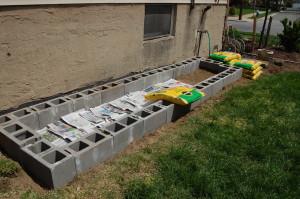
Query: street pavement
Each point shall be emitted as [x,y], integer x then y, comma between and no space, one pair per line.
[246,25]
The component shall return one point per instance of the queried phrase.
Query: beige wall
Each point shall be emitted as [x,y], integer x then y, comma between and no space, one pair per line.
[46,50]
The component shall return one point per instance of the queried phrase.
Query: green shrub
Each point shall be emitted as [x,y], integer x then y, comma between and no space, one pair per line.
[8,167]
[232,11]
[290,38]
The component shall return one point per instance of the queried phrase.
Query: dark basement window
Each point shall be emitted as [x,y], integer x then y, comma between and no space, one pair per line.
[159,20]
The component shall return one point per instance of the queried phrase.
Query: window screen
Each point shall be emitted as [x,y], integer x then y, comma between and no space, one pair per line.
[158,20]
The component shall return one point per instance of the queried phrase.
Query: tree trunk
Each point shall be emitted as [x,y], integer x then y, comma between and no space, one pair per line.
[241,9]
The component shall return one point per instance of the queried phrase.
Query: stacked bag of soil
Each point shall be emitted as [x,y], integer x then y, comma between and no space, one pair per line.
[251,68]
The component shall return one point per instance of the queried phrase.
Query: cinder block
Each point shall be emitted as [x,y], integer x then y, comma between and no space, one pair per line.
[91,97]
[78,100]
[82,152]
[211,65]
[14,136]
[28,117]
[196,61]
[233,74]
[121,136]
[190,66]
[227,79]
[6,119]
[52,169]
[184,71]
[217,84]
[206,88]
[173,68]
[40,147]
[150,78]
[132,84]
[179,70]
[135,125]
[52,110]
[169,108]
[110,91]
[239,72]
[157,119]
[102,146]
[165,73]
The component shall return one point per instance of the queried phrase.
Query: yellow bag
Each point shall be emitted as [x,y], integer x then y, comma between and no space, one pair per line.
[253,77]
[249,64]
[177,95]
[252,72]
[225,56]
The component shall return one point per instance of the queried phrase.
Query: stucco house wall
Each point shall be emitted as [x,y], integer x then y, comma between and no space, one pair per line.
[51,49]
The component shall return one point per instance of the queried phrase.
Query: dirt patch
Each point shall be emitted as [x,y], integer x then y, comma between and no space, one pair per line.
[195,77]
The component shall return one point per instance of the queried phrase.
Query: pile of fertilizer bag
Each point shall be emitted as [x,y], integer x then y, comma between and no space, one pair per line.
[251,68]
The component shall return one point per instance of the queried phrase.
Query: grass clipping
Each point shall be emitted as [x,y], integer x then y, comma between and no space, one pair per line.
[248,147]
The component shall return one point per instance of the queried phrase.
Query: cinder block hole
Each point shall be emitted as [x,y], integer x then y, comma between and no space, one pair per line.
[190,61]
[88,92]
[106,132]
[128,121]
[13,128]
[43,106]
[125,81]
[96,137]
[154,108]
[39,147]
[102,88]
[76,96]
[165,103]
[143,114]
[232,70]
[54,157]
[184,62]
[224,74]
[211,81]
[112,84]
[173,66]
[178,64]
[78,146]
[151,73]
[58,101]
[216,79]
[221,76]
[204,84]
[135,78]
[24,135]
[167,68]
[115,127]
[236,67]
[194,59]
[144,75]
[21,113]
[199,87]
[198,57]
[216,62]
[4,119]
[160,70]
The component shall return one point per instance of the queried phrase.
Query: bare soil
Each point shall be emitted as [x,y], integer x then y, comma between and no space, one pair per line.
[14,187]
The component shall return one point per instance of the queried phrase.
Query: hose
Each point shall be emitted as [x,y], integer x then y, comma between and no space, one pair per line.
[209,46]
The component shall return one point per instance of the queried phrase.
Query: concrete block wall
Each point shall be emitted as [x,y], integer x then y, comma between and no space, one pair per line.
[19,139]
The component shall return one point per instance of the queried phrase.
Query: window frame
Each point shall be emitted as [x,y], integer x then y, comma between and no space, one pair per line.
[172,25]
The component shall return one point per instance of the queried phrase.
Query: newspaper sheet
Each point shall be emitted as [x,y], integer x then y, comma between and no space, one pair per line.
[65,131]
[52,138]
[173,83]
[108,112]
[74,119]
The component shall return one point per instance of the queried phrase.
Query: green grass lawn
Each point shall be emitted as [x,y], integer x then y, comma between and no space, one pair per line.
[245,11]
[247,147]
